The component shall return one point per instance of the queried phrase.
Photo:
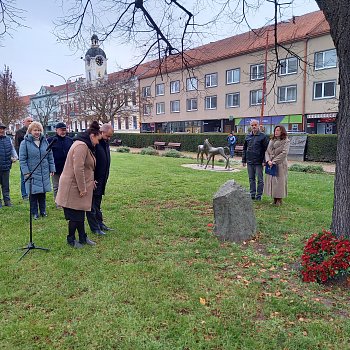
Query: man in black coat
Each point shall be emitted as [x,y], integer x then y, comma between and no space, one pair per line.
[103,162]
[19,137]
[60,147]
[255,145]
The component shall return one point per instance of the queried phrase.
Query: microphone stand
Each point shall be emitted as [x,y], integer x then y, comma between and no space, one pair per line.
[31,244]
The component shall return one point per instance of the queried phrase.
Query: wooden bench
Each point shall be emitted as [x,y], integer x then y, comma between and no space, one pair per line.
[116,142]
[159,144]
[239,150]
[174,145]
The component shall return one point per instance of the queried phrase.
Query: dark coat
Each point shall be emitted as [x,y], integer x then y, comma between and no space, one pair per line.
[60,150]
[78,175]
[254,148]
[29,157]
[19,137]
[5,153]
[103,162]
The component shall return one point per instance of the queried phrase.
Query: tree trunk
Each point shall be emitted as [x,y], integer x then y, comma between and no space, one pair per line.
[337,14]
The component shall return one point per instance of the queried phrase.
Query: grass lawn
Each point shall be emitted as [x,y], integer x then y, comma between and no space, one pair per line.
[161,280]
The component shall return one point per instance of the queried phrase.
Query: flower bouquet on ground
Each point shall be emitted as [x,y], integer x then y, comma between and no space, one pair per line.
[325,257]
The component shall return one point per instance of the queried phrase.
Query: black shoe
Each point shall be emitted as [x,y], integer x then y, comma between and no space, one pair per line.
[35,216]
[253,198]
[106,228]
[8,204]
[258,198]
[89,242]
[43,214]
[75,244]
[99,232]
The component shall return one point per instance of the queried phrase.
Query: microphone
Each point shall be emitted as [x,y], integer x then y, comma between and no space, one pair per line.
[51,144]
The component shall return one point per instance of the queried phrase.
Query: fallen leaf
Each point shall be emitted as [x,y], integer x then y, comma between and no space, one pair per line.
[202,301]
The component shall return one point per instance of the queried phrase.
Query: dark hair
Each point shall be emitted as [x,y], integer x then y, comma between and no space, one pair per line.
[94,128]
[283,132]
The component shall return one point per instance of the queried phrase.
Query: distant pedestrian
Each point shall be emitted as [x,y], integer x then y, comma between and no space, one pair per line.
[19,137]
[31,151]
[231,142]
[255,145]
[276,154]
[8,155]
[62,144]
[77,184]
[103,161]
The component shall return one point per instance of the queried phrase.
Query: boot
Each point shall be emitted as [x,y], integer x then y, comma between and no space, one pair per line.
[8,204]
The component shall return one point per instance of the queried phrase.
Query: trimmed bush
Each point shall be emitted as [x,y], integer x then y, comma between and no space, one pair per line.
[150,151]
[172,153]
[123,149]
[316,169]
[321,148]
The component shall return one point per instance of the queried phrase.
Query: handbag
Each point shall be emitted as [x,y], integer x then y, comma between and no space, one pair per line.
[271,170]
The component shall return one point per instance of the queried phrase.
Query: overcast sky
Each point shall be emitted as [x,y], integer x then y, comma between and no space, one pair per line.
[32,50]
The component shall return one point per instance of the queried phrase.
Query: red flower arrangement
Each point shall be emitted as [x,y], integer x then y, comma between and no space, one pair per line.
[325,257]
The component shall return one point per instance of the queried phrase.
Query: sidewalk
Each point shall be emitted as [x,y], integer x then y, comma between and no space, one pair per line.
[327,167]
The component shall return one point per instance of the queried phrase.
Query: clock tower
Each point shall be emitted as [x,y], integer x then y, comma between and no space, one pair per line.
[95,61]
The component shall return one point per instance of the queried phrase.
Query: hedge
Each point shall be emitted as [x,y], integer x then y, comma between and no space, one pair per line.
[319,148]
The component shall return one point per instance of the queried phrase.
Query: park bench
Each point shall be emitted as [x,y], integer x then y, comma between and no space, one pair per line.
[238,150]
[116,142]
[159,144]
[174,145]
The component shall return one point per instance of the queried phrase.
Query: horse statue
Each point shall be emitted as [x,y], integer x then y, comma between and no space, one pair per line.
[213,151]
[201,151]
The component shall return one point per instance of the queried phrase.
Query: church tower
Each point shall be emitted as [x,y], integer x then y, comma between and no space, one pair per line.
[95,61]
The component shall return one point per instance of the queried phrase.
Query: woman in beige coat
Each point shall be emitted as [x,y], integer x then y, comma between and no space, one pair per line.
[276,153]
[76,184]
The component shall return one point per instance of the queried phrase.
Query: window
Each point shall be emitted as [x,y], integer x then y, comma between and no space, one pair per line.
[211,80]
[257,72]
[256,97]
[175,86]
[133,98]
[233,76]
[324,89]
[146,109]
[325,59]
[288,66]
[159,89]
[232,100]
[160,108]
[191,84]
[146,91]
[287,94]
[175,106]
[191,104]
[210,102]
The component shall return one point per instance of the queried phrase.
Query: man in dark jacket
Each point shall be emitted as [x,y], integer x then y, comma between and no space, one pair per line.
[255,145]
[7,156]
[60,148]
[103,162]
[19,137]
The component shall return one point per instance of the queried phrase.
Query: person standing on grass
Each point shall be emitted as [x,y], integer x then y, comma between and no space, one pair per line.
[254,147]
[32,149]
[276,154]
[103,162]
[231,142]
[8,155]
[19,137]
[60,149]
[77,184]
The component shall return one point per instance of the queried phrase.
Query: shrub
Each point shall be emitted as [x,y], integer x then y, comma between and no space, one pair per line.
[172,153]
[325,257]
[123,149]
[150,151]
[316,169]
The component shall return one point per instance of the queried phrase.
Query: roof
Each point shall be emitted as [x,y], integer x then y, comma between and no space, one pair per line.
[296,29]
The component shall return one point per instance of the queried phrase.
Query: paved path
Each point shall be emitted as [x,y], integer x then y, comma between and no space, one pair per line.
[327,167]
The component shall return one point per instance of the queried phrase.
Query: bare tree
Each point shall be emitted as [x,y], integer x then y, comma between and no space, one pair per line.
[44,110]
[11,106]
[104,100]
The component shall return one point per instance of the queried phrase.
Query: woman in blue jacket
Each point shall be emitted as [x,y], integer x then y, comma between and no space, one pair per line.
[31,150]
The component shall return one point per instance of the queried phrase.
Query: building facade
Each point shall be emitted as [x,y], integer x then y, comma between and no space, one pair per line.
[229,82]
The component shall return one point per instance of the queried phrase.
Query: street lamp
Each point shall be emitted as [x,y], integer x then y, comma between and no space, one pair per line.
[66,80]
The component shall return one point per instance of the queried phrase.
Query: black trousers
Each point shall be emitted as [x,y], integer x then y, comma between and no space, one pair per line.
[94,217]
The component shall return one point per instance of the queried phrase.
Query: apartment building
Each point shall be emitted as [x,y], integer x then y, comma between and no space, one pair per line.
[227,83]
